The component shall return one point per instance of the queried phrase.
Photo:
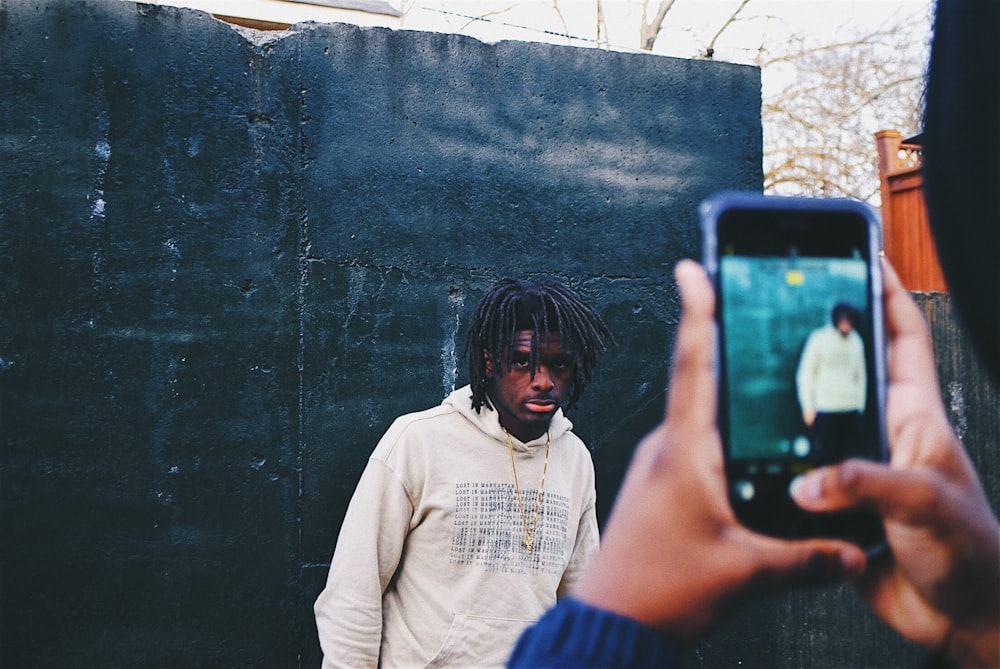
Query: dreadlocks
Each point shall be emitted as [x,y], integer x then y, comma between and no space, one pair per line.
[543,306]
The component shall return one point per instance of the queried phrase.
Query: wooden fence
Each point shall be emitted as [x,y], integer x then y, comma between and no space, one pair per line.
[905,229]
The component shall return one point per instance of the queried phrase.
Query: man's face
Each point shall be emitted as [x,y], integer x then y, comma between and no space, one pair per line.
[526,405]
[844,326]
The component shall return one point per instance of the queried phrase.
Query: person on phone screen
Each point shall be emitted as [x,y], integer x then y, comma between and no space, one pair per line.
[832,384]
[472,517]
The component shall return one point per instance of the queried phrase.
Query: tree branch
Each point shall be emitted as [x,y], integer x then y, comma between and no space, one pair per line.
[648,32]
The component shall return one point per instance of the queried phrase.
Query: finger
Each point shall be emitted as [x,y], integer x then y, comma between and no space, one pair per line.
[916,421]
[903,495]
[692,383]
[911,352]
[785,565]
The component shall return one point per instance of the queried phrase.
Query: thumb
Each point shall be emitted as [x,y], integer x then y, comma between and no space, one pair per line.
[896,494]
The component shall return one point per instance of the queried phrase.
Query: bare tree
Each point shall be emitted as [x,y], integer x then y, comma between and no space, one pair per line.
[819,123]
[710,49]
[820,120]
[602,26]
[819,126]
[649,31]
[823,101]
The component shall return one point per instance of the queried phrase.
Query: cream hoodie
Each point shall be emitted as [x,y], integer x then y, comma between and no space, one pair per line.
[429,568]
[831,376]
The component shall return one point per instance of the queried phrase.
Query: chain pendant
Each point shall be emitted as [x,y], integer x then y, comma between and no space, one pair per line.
[529,539]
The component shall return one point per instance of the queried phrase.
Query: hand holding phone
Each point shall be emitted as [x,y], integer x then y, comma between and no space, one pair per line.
[801,364]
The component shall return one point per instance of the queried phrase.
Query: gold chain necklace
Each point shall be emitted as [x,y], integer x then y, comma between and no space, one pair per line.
[529,535]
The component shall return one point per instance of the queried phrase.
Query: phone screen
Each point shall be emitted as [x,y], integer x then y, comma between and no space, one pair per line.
[800,364]
[796,335]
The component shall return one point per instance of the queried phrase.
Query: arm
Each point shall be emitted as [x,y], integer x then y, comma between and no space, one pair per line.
[805,380]
[673,558]
[349,610]
[940,587]
[573,635]
[672,515]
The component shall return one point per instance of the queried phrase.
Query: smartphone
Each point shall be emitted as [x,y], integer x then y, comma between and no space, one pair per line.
[801,352]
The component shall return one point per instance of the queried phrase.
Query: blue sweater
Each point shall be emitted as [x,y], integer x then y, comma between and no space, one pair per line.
[573,635]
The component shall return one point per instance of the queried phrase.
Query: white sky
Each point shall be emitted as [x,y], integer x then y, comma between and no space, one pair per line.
[690,24]
[689,27]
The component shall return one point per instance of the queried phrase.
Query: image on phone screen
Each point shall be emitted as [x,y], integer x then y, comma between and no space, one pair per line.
[796,350]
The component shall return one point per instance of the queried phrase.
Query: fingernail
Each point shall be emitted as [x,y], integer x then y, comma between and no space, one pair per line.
[805,488]
[853,562]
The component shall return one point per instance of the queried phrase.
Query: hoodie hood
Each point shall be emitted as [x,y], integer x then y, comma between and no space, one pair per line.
[487,421]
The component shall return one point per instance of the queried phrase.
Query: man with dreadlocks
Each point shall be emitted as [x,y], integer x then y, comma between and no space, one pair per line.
[472,517]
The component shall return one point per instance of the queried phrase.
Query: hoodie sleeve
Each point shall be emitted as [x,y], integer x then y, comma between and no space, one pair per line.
[860,373]
[573,635]
[349,610]
[584,550]
[805,376]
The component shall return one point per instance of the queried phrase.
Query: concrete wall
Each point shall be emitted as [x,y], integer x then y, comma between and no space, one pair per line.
[230,259]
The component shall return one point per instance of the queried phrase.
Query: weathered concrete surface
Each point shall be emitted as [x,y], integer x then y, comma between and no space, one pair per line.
[230,259]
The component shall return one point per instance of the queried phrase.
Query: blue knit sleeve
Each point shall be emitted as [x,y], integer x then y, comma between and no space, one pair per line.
[573,635]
